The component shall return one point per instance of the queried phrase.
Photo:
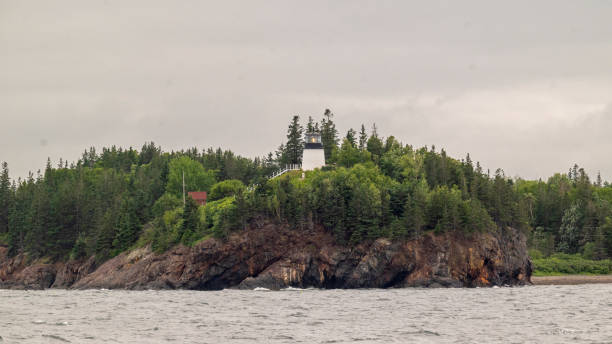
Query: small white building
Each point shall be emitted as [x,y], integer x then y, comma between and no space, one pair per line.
[314,155]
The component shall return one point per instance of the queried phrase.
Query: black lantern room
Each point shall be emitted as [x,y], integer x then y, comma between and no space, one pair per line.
[313,141]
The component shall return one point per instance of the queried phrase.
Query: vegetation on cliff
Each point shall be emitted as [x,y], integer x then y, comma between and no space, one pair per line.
[110,201]
[569,264]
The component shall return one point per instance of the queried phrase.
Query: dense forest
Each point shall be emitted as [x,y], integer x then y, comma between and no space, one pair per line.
[110,201]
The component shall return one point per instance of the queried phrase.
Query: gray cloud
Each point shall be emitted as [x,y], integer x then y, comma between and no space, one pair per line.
[523,86]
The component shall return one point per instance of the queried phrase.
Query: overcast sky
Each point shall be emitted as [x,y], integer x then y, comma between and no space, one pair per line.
[521,85]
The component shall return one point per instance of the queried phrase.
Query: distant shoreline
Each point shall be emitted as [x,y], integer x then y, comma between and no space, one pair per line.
[571,279]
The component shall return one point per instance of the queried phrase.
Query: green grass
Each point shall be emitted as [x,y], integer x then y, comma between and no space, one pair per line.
[570,264]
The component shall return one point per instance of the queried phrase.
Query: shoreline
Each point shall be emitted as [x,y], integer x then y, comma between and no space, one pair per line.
[571,279]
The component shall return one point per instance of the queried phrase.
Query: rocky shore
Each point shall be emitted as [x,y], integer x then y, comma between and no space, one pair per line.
[276,257]
[571,279]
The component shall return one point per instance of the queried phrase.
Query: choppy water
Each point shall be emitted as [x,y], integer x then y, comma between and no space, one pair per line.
[543,314]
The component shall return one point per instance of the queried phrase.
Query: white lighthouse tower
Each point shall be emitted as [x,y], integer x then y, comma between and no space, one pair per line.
[314,155]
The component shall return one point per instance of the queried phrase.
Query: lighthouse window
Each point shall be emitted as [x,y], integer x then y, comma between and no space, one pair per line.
[313,140]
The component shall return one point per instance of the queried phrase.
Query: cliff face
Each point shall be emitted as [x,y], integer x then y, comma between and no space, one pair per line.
[274,257]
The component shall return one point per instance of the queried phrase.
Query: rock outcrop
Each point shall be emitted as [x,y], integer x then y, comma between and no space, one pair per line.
[275,257]
[17,273]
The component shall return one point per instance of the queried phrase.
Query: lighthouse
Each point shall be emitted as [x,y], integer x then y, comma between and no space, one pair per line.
[314,155]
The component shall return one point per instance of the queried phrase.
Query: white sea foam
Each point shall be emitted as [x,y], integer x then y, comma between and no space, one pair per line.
[293,289]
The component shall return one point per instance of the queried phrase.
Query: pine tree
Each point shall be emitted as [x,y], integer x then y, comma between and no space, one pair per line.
[148,152]
[128,227]
[574,173]
[310,128]
[105,236]
[375,145]
[281,155]
[329,134]
[443,172]
[351,136]
[468,161]
[391,144]
[191,221]
[570,230]
[37,239]
[415,209]
[269,160]
[599,182]
[295,141]
[5,198]
[243,208]
[363,138]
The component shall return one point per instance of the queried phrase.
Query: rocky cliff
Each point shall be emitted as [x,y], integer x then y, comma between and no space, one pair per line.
[276,257]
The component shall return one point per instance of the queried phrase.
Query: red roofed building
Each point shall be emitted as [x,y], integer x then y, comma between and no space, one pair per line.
[198,196]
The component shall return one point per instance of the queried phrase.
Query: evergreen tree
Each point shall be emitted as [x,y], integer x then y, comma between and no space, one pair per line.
[363,138]
[375,145]
[281,156]
[573,174]
[191,221]
[295,141]
[570,230]
[310,128]
[329,135]
[5,199]
[391,144]
[599,182]
[128,227]
[19,217]
[148,152]
[36,238]
[415,209]
[351,136]
[269,160]
[244,208]
[106,234]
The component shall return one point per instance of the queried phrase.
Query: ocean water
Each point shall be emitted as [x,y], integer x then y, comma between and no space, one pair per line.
[539,314]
